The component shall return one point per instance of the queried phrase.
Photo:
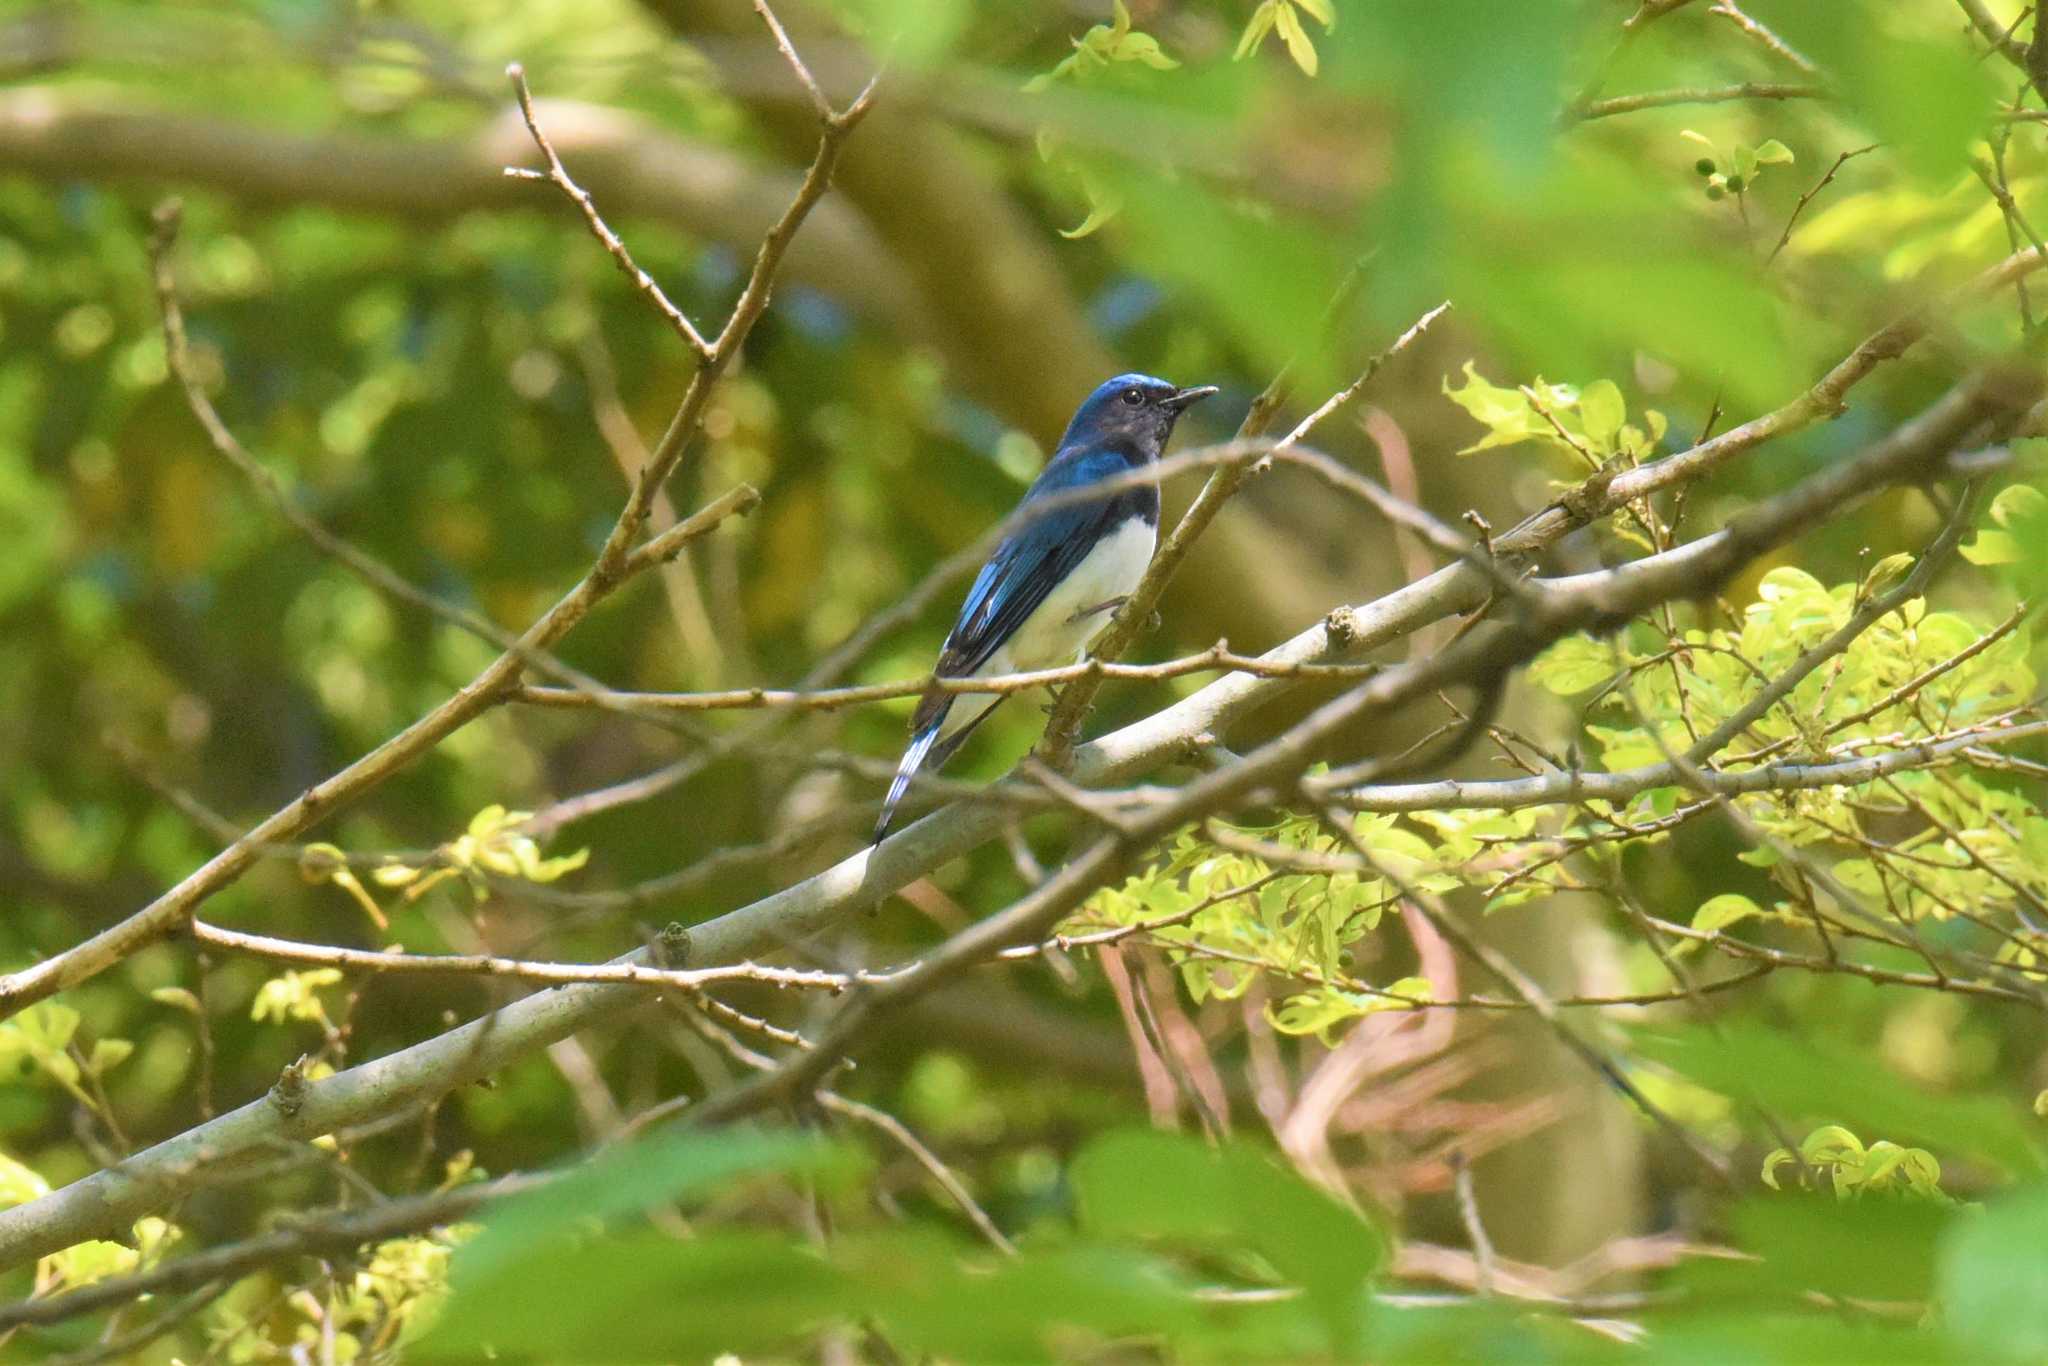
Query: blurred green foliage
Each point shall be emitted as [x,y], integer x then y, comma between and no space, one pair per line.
[456,385]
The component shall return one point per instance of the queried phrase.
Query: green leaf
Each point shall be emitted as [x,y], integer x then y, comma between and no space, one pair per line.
[1809,1243]
[1253,273]
[2018,505]
[108,1054]
[1993,1277]
[1884,574]
[1796,1337]
[1802,1077]
[1098,214]
[1718,913]
[1146,1184]
[19,1184]
[632,1178]
[1992,547]
[1602,410]
[1771,152]
[641,1296]
[1143,47]
[1505,413]
[929,1294]
[94,1260]
[1927,96]
[1574,665]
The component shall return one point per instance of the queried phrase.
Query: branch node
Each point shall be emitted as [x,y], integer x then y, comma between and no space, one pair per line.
[288,1094]
[672,945]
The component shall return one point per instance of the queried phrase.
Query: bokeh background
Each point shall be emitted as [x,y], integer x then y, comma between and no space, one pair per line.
[446,370]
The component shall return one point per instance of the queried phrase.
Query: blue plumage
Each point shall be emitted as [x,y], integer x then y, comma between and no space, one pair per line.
[1051,586]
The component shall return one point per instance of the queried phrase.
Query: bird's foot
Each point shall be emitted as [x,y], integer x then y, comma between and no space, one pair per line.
[1097,610]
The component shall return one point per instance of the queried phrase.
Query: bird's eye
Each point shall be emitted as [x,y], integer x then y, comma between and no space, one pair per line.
[1133,397]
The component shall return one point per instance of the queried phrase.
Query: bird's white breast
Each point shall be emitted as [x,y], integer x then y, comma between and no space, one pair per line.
[1051,636]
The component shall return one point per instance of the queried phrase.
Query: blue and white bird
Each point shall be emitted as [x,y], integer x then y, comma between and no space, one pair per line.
[1051,587]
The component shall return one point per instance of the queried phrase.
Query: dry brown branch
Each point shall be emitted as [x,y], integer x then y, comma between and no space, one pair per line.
[640,173]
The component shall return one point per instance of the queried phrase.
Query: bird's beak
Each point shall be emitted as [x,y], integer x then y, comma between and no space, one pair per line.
[1184,398]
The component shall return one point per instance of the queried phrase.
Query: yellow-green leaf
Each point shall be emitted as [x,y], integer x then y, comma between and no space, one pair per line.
[108,1054]
[20,1184]
[1098,215]
[1296,37]
[1718,913]
[1885,573]
[176,997]
[1992,547]
[1255,30]
[1602,410]
[1575,664]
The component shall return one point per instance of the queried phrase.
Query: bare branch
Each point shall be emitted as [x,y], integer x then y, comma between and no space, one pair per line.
[1665,99]
[1763,34]
[1218,656]
[819,102]
[926,1158]
[519,970]
[1507,794]
[1998,35]
[558,175]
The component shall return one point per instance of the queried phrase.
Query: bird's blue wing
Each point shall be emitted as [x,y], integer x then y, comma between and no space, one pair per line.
[1028,565]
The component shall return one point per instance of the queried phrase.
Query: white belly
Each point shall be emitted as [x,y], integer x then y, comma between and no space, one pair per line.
[1057,632]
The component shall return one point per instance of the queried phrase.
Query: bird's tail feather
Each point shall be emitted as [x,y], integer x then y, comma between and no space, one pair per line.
[913,758]
[928,746]
[946,748]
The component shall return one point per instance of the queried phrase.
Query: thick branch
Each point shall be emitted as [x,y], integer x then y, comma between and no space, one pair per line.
[636,171]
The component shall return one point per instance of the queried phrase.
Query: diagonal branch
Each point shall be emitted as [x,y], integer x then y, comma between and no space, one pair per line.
[557,175]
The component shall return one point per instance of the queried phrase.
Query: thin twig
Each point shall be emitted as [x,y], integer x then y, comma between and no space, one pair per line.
[926,1158]
[558,175]
[1665,99]
[1475,1228]
[1792,219]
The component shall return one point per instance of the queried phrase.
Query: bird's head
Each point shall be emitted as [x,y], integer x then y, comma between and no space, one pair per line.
[1137,409]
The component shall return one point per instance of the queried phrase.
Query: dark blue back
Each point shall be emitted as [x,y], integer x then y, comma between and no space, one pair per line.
[1031,562]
